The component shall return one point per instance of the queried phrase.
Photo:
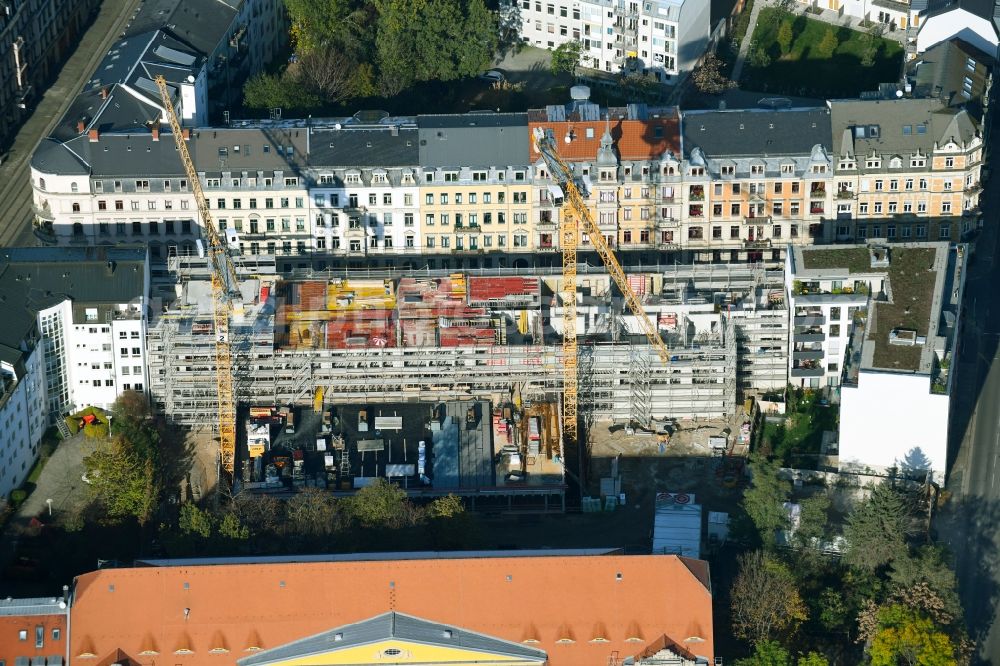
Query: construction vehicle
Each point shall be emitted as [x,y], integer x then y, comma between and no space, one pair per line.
[576,218]
[225,292]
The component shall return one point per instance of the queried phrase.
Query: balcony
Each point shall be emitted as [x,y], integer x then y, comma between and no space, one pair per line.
[808,354]
[44,213]
[817,193]
[809,320]
[468,228]
[807,372]
[808,336]
[758,219]
[845,194]
[43,232]
[546,221]
[756,244]
[697,194]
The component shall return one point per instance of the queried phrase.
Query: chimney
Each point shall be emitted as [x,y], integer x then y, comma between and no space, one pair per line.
[156,132]
[104,92]
[186,133]
[94,134]
[80,126]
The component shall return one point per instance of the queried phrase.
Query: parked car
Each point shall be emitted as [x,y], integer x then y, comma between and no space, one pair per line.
[493,76]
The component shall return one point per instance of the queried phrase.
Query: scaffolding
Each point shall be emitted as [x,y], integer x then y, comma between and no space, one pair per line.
[621,377]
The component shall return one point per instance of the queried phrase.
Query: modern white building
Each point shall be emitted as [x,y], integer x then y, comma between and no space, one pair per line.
[661,38]
[72,335]
[976,22]
[890,352]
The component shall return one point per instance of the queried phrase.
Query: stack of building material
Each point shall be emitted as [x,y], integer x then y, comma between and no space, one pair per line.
[433,312]
[504,291]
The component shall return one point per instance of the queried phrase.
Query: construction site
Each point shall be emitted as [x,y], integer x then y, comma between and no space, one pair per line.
[427,346]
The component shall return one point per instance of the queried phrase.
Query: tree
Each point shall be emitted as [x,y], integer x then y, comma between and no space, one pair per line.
[759,57]
[708,77]
[812,659]
[813,519]
[231,528]
[765,600]
[380,504]
[124,475]
[448,506]
[329,73]
[909,636]
[313,512]
[785,37]
[828,44]
[194,521]
[764,498]
[425,40]
[317,24]
[930,568]
[566,57]
[877,528]
[129,408]
[767,653]
[268,91]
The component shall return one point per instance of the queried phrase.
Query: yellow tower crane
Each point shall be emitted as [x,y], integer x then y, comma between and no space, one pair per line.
[225,292]
[576,215]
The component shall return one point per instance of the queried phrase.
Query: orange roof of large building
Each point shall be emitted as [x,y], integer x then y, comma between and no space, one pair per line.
[636,139]
[578,609]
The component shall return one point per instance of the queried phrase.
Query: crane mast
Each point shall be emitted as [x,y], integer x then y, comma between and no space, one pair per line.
[576,215]
[225,290]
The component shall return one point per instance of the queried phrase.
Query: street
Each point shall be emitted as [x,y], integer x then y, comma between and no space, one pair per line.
[969,522]
[15,187]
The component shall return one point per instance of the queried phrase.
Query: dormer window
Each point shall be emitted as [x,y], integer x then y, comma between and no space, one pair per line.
[728,170]
[757,169]
[895,163]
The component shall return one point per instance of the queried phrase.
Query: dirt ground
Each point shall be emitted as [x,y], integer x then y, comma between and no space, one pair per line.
[203,475]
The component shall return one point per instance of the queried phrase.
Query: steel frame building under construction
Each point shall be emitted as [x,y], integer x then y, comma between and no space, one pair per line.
[439,336]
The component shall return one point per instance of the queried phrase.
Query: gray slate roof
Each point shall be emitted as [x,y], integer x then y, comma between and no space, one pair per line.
[892,118]
[476,140]
[260,148]
[394,625]
[201,24]
[363,146]
[941,70]
[52,156]
[755,132]
[35,278]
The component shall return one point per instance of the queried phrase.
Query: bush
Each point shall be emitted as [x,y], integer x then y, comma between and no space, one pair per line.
[18,496]
[96,430]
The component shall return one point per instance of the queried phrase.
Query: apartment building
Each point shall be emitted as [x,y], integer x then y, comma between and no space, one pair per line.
[880,323]
[475,185]
[659,38]
[627,160]
[254,181]
[35,37]
[363,190]
[755,180]
[906,170]
[232,38]
[73,334]
[975,21]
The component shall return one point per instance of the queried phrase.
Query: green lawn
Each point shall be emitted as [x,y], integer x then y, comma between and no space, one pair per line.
[802,432]
[805,72]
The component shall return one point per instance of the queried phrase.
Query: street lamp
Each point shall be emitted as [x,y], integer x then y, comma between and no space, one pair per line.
[49,502]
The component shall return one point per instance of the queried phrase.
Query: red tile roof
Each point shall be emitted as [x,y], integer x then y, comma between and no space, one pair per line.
[632,139]
[185,612]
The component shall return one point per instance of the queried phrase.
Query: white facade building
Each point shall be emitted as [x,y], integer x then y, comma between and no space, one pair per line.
[973,21]
[72,335]
[22,411]
[889,349]
[664,38]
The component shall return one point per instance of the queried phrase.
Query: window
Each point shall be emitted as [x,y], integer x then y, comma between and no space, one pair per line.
[944,231]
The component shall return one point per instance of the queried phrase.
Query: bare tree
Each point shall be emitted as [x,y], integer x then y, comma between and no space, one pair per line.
[328,72]
[765,600]
[708,77]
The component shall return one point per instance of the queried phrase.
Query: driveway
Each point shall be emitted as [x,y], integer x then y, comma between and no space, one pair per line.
[59,481]
[530,66]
